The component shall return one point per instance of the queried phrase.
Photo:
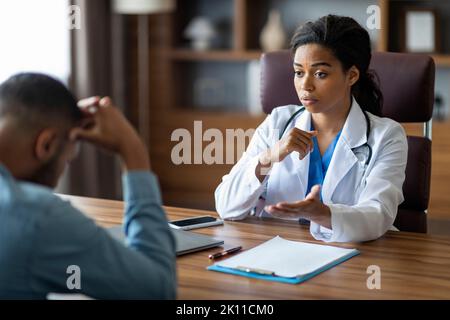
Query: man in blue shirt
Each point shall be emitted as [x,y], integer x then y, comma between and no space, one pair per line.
[43,239]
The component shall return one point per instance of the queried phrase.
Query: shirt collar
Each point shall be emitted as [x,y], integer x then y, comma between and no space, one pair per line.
[4,172]
[355,126]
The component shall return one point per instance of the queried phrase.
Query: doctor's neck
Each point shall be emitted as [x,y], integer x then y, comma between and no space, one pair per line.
[332,120]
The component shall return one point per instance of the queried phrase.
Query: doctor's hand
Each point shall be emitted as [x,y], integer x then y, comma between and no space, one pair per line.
[295,140]
[311,208]
[105,126]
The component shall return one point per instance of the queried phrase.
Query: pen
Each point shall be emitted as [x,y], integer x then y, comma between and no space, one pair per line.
[224,253]
[257,271]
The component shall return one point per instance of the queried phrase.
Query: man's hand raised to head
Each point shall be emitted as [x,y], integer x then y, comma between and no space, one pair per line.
[105,126]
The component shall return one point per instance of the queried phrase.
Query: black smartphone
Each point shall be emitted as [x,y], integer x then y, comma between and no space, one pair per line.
[195,222]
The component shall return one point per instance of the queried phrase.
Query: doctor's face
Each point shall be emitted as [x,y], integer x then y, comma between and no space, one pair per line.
[320,81]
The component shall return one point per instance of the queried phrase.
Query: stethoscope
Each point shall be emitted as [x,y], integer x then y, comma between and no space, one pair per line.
[355,150]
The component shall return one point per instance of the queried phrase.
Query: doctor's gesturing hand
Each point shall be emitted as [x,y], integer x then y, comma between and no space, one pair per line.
[295,140]
[311,208]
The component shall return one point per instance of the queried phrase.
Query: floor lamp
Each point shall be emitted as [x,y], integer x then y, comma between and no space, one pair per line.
[143,8]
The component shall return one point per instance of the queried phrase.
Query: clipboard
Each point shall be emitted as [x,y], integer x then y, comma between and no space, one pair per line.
[269,261]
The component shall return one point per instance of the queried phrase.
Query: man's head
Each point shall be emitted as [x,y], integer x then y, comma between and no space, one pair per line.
[37,114]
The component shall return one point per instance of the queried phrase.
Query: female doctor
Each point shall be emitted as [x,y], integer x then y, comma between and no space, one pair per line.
[337,163]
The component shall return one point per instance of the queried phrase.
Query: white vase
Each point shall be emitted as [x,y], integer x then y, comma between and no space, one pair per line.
[201,31]
[273,36]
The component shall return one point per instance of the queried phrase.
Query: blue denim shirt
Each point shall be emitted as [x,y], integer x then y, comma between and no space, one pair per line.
[41,235]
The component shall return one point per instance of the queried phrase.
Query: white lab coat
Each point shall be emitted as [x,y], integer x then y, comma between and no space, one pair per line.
[363,199]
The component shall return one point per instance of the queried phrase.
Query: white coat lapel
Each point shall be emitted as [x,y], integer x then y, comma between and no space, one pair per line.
[302,123]
[353,135]
[289,179]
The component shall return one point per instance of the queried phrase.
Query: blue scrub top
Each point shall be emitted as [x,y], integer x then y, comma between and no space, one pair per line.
[318,164]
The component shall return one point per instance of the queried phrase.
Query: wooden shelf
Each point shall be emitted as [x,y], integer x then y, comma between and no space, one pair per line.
[219,114]
[214,55]
[441,60]
[211,119]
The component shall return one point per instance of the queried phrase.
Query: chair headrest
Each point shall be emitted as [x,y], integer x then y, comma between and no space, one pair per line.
[406,81]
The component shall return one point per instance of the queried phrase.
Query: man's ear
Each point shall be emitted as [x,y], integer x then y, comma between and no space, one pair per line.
[353,75]
[46,145]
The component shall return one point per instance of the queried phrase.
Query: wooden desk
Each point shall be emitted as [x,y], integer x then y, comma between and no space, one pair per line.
[413,266]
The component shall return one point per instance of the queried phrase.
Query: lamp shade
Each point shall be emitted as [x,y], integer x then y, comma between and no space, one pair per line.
[143,6]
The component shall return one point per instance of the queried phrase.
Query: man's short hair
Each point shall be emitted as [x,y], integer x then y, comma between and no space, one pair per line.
[37,101]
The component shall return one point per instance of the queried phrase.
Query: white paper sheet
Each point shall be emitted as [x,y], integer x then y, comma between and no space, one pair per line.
[287,258]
